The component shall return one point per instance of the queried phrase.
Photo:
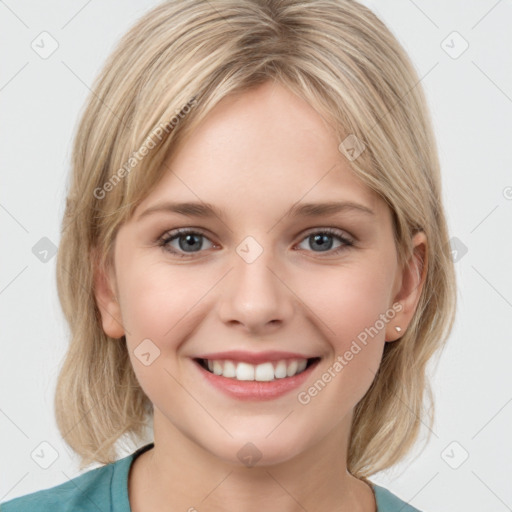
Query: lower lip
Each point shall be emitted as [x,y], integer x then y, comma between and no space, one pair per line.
[255,390]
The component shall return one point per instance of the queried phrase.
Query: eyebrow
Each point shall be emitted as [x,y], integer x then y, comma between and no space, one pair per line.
[206,210]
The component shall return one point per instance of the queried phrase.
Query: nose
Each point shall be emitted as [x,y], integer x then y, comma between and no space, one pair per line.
[255,295]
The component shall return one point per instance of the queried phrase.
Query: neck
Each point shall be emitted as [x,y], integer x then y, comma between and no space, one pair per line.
[180,473]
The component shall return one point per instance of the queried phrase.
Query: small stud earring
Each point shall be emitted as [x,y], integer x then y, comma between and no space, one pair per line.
[399,329]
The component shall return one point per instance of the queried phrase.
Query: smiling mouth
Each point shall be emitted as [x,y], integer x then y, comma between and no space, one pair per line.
[264,372]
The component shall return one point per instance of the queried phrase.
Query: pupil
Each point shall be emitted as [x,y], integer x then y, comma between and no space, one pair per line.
[324,246]
[189,244]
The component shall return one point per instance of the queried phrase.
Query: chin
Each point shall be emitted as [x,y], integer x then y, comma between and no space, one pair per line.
[258,451]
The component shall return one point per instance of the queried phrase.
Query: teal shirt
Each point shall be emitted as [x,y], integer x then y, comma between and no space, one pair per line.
[105,489]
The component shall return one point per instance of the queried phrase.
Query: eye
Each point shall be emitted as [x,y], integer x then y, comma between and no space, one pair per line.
[188,241]
[322,239]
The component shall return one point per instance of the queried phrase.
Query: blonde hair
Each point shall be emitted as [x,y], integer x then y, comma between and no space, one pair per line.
[167,73]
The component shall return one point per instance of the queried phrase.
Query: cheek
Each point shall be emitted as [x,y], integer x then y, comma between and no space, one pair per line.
[349,301]
[349,305]
[157,301]
[159,309]
[161,306]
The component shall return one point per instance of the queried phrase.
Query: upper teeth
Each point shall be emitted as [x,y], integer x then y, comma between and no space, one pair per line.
[260,372]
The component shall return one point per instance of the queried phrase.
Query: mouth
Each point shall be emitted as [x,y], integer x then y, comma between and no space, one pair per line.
[265,380]
[269,371]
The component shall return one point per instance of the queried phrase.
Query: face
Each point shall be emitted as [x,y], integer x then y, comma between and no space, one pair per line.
[261,277]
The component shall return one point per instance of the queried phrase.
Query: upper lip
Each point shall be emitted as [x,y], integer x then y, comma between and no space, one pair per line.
[253,357]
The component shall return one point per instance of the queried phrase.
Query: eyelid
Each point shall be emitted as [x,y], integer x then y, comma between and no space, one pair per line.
[332,231]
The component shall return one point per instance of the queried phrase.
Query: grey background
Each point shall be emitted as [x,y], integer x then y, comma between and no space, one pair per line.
[471,102]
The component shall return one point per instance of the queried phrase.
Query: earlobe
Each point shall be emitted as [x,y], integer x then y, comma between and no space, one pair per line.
[412,281]
[110,310]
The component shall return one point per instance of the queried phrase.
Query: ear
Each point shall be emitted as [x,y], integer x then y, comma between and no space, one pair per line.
[104,286]
[408,287]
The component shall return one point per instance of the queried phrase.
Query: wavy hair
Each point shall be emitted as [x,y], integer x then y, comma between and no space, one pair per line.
[165,75]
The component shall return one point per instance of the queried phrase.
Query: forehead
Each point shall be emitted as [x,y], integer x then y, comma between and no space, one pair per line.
[261,150]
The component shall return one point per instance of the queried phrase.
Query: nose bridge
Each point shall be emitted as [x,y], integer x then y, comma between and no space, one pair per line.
[255,296]
[252,266]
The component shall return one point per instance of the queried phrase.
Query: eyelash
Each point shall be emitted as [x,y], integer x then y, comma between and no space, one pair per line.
[176,233]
